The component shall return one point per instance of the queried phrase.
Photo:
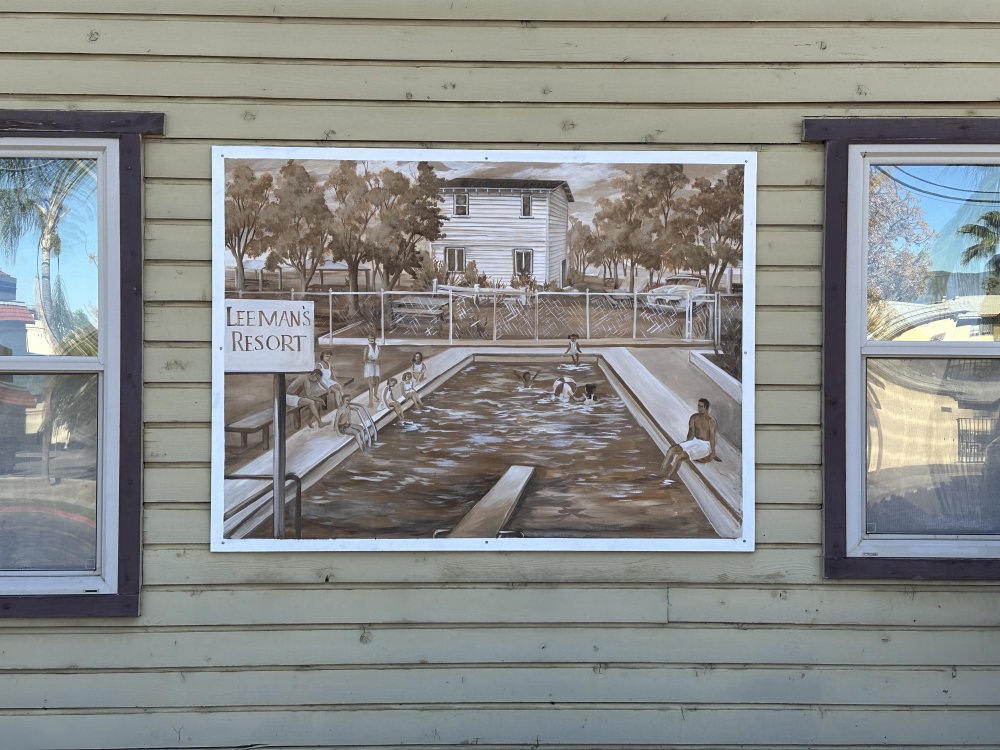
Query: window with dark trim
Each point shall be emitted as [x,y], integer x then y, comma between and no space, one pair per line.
[911,367]
[454,259]
[523,261]
[70,368]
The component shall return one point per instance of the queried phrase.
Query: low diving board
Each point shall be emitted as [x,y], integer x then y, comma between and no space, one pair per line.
[488,517]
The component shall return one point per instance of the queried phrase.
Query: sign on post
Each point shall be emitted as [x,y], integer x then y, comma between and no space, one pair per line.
[269,336]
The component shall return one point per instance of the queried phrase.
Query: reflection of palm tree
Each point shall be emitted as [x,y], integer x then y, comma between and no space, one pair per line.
[987,235]
[33,197]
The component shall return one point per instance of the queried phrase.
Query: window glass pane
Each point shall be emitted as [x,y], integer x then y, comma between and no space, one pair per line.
[48,472]
[933,446]
[48,254]
[933,264]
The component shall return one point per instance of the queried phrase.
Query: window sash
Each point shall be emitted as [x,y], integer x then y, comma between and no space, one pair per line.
[859,349]
[461,204]
[105,578]
[526,205]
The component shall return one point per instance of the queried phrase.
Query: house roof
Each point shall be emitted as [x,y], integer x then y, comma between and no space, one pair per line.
[466,183]
[15,311]
[12,395]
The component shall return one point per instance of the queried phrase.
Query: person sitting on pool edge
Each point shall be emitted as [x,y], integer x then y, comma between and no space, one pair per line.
[308,389]
[410,391]
[699,445]
[392,398]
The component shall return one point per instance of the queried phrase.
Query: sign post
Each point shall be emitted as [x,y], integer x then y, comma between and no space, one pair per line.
[271,336]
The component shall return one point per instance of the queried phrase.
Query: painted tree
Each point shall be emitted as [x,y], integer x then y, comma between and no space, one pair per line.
[352,211]
[247,195]
[408,212]
[580,243]
[663,201]
[718,208]
[296,223]
[985,234]
[621,223]
[35,196]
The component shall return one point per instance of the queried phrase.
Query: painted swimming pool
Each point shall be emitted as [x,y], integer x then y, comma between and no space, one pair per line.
[595,467]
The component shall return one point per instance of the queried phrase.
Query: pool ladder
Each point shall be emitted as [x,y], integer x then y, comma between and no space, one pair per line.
[367,424]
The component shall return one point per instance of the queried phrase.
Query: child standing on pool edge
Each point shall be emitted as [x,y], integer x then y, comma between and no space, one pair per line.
[372,357]
[573,348]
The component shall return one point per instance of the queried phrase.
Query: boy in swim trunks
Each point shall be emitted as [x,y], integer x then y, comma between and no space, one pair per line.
[699,445]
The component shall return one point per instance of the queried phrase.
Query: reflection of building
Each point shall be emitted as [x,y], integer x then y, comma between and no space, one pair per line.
[15,317]
[507,227]
[14,403]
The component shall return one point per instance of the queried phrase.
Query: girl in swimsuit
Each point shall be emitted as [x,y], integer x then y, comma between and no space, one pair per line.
[410,391]
[372,356]
[418,368]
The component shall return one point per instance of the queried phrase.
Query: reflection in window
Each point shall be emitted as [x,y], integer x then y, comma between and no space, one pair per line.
[933,446]
[933,270]
[49,242]
[48,476]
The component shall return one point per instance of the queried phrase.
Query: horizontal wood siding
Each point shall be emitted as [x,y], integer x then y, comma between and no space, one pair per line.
[584,650]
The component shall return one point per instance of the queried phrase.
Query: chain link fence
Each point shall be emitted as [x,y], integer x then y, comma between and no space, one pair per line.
[459,314]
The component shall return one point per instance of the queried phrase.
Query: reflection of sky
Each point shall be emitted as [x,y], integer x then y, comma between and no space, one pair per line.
[950,196]
[76,263]
[587,181]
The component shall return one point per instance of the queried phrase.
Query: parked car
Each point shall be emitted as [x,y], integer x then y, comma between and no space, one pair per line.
[673,294]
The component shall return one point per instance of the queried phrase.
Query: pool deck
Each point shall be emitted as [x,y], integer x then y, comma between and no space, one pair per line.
[653,380]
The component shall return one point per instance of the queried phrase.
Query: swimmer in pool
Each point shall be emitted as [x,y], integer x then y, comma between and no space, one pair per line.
[564,388]
[526,378]
[587,395]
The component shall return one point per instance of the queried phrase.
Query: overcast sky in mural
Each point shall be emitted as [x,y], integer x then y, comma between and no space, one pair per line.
[587,182]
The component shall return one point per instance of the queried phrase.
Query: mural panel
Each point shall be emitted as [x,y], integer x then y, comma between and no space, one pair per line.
[508,350]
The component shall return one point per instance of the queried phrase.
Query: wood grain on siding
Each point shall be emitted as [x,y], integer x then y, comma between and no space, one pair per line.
[585,649]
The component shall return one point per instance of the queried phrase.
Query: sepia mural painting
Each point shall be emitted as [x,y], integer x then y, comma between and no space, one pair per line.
[439,349]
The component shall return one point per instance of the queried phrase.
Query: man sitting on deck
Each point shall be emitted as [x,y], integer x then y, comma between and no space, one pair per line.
[699,445]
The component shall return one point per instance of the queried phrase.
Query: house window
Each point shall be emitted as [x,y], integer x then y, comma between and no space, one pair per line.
[70,362]
[523,262]
[454,258]
[461,204]
[526,206]
[911,367]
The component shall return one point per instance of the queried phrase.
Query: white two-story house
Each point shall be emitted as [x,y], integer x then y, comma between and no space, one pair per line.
[508,227]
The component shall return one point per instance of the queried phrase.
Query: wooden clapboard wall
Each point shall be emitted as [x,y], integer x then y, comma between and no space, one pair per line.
[514,650]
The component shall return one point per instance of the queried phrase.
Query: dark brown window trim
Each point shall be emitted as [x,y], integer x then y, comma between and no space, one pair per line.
[127,127]
[839,134]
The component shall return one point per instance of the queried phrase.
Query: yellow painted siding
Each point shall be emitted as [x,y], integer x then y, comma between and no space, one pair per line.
[609,650]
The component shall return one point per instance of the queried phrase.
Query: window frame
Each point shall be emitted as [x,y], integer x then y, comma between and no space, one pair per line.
[459,252]
[464,205]
[524,252]
[842,136]
[526,203]
[62,594]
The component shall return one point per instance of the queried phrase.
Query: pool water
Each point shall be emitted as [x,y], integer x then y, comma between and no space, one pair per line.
[595,472]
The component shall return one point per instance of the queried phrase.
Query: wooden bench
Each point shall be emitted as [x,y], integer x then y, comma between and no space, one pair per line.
[260,421]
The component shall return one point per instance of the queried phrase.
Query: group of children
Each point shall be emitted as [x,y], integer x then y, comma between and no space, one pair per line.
[395,392]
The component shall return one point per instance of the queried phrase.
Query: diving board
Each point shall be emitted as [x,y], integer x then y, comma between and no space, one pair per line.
[488,517]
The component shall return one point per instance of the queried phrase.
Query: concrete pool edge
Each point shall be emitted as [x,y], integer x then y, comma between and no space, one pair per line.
[721,507]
